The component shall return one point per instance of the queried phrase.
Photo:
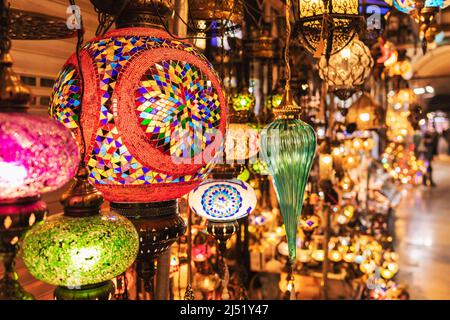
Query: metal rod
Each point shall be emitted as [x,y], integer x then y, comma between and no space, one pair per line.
[162,276]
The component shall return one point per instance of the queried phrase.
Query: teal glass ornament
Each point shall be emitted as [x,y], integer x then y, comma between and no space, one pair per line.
[288,146]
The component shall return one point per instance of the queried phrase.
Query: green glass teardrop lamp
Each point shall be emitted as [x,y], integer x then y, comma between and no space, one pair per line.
[288,146]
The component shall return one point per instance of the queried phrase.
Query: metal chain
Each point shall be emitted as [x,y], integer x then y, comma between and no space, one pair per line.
[288,40]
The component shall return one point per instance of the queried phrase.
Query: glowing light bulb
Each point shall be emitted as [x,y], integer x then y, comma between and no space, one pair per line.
[345,53]
[326,159]
[364,117]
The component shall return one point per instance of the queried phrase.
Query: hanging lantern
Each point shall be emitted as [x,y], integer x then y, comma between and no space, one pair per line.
[347,70]
[274,101]
[424,13]
[366,114]
[346,184]
[143,114]
[81,250]
[153,117]
[404,6]
[261,46]
[203,12]
[325,162]
[335,255]
[402,68]
[215,10]
[288,146]
[222,203]
[318,252]
[222,200]
[389,55]
[241,139]
[37,155]
[243,102]
[326,27]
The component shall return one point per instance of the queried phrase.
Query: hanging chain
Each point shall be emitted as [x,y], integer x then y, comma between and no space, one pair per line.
[105,22]
[288,40]
[80,40]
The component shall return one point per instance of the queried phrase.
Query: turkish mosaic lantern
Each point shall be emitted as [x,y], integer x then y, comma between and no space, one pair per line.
[222,203]
[241,141]
[153,119]
[37,155]
[152,105]
[81,250]
[227,200]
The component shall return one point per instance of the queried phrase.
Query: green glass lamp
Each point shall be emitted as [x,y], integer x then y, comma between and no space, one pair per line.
[288,146]
[81,250]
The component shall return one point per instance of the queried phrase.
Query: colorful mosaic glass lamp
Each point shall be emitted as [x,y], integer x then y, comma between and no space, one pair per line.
[151,111]
[288,146]
[36,156]
[81,250]
[222,203]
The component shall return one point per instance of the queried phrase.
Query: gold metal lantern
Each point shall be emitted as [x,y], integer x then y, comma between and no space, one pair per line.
[327,26]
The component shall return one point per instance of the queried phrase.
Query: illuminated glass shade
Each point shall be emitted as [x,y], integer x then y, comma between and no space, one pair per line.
[348,69]
[37,155]
[243,102]
[343,15]
[72,251]
[288,147]
[325,166]
[241,142]
[152,107]
[274,101]
[366,114]
[401,68]
[222,200]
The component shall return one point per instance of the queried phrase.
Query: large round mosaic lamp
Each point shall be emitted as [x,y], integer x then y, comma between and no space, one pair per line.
[153,109]
[152,106]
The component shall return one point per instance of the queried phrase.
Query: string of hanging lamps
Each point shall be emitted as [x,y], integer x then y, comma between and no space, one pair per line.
[82,249]
[37,156]
[145,157]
